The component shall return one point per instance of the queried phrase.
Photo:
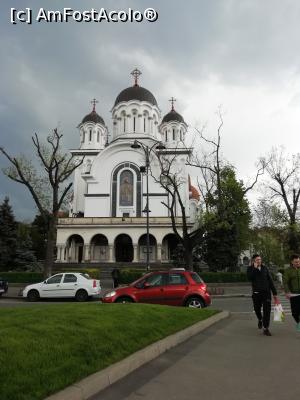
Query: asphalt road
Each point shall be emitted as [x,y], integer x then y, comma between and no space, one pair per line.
[241,304]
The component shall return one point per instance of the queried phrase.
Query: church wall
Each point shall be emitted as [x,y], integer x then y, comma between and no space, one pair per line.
[79,191]
[97,206]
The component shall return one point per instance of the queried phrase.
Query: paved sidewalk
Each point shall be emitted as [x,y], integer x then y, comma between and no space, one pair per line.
[231,360]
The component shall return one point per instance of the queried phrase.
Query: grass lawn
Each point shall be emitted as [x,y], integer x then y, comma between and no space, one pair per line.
[45,348]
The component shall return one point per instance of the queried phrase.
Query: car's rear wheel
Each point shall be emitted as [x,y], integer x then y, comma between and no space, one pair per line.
[195,302]
[33,295]
[81,295]
[124,300]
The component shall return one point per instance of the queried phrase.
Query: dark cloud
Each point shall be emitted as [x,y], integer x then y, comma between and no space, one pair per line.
[50,72]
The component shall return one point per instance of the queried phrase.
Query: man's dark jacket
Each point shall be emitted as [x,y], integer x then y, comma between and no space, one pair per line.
[261,280]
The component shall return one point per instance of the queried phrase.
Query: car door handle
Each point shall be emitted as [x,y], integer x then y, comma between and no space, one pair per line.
[161,289]
[57,285]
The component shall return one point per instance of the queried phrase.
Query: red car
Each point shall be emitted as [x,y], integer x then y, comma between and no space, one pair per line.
[173,288]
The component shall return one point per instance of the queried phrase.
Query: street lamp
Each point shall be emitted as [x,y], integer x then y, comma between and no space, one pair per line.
[147,150]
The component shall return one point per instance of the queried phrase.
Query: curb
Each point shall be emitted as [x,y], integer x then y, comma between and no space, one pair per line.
[225,296]
[98,381]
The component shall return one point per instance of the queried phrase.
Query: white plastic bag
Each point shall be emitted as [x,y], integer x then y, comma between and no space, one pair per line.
[278,313]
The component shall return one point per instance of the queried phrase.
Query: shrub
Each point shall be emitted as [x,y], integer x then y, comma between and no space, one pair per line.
[35,277]
[92,272]
[223,277]
[130,275]
[22,277]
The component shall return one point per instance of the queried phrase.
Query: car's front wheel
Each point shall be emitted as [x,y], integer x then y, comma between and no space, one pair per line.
[33,295]
[81,295]
[124,300]
[194,302]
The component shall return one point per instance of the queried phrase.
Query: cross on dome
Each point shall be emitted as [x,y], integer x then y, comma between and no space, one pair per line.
[94,102]
[136,73]
[172,100]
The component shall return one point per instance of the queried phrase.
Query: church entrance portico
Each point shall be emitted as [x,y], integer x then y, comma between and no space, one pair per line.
[143,248]
[169,245]
[99,248]
[123,248]
[74,249]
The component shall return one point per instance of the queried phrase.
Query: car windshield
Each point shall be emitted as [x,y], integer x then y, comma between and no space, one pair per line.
[196,277]
[139,282]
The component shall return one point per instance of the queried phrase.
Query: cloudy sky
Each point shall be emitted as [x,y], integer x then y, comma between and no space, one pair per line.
[241,54]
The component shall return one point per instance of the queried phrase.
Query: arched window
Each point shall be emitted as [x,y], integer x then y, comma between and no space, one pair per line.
[134,120]
[166,135]
[124,124]
[98,136]
[126,188]
[144,124]
[173,134]
[90,135]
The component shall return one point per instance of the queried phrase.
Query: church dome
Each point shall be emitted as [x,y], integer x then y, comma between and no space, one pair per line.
[136,92]
[93,117]
[172,116]
[193,192]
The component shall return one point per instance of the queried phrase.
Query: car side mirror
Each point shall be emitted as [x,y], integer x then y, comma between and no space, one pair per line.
[147,285]
[45,282]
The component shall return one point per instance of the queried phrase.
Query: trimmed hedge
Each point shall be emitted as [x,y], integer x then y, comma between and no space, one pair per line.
[35,277]
[22,277]
[223,277]
[131,275]
[92,272]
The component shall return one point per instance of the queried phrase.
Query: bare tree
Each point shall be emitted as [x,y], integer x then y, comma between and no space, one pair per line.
[211,163]
[173,181]
[45,188]
[284,185]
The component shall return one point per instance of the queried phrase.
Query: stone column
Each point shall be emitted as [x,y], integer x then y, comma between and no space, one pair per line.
[86,252]
[140,127]
[135,253]
[60,253]
[111,253]
[159,252]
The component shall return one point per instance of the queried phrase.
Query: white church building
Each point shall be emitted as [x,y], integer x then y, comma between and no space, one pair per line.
[107,221]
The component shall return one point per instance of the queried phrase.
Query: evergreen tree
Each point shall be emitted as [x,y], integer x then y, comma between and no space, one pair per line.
[226,227]
[25,258]
[39,228]
[8,235]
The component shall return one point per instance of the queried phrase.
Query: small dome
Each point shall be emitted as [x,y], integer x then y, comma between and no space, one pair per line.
[136,92]
[93,117]
[193,192]
[172,116]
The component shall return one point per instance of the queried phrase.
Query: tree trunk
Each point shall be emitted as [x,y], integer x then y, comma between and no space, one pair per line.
[188,256]
[50,248]
[293,238]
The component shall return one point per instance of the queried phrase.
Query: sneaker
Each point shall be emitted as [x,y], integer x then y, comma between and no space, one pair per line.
[259,325]
[266,332]
[298,327]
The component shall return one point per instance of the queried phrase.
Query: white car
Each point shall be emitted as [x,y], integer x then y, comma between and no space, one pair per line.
[69,284]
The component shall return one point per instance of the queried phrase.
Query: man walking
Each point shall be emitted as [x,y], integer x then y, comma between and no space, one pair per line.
[115,274]
[262,286]
[291,284]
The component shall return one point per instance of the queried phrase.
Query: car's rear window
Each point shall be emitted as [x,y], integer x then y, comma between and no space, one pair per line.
[196,277]
[86,276]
